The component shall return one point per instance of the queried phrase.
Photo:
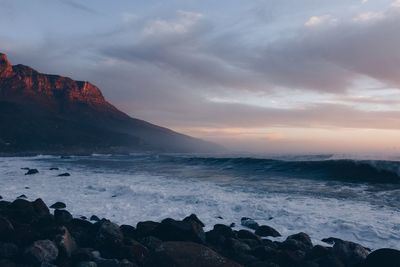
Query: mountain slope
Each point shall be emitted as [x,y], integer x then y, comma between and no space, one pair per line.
[51,113]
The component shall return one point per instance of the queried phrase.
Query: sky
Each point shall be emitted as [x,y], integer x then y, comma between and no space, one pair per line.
[265,76]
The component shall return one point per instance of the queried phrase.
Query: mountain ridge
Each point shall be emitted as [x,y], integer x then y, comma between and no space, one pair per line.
[50,113]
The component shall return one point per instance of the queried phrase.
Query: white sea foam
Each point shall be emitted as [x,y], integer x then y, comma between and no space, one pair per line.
[128,198]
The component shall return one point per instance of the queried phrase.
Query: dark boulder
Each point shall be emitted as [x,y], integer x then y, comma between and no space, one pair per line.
[172,230]
[238,246]
[224,230]
[54,169]
[94,218]
[189,254]
[86,264]
[22,196]
[245,234]
[194,219]
[263,264]
[65,242]
[40,207]
[384,257]
[31,172]
[349,253]
[249,223]
[219,235]
[41,251]
[6,229]
[82,255]
[135,252]
[146,228]
[108,235]
[300,241]
[128,231]
[7,263]
[8,250]
[151,242]
[66,174]
[58,205]
[62,217]
[21,210]
[265,230]
[83,232]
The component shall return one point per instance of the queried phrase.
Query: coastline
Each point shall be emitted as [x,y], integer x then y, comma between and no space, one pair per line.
[31,234]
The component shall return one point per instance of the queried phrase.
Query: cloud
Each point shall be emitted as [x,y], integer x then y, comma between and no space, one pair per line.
[181,25]
[167,68]
[315,21]
[367,16]
[78,6]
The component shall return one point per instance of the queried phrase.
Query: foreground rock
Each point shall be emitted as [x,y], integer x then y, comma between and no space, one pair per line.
[31,236]
[188,254]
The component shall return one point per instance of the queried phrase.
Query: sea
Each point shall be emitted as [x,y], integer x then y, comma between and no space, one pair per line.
[352,198]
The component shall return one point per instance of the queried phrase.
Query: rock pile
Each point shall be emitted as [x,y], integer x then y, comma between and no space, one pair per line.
[30,235]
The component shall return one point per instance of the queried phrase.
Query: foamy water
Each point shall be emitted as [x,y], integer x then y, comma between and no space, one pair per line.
[132,189]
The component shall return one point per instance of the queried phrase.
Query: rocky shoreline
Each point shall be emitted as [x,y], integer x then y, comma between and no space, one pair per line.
[31,234]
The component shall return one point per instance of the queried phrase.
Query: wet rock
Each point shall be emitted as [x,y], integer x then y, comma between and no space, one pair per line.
[109,235]
[82,255]
[31,172]
[249,223]
[189,254]
[244,258]
[319,251]
[83,232]
[145,228]
[300,241]
[264,253]
[23,196]
[107,263]
[135,252]
[329,261]
[22,211]
[8,250]
[245,234]
[238,246]
[54,169]
[128,231]
[41,251]
[172,230]
[58,205]
[62,217]
[194,219]
[66,174]
[65,242]
[94,218]
[7,263]
[383,257]
[349,253]
[263,264]
[220,234]
[151,242]
[40,207]
[6,229]
[86,264]
[265,230]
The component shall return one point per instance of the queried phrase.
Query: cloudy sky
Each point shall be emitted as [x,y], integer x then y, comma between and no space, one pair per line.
[261,75]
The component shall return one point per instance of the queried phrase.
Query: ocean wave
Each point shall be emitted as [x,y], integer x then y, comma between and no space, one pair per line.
[378,171]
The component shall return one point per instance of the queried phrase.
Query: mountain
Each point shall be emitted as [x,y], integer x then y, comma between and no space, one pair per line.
[50,113]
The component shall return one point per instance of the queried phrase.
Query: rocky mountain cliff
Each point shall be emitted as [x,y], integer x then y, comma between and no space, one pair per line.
[50,113]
